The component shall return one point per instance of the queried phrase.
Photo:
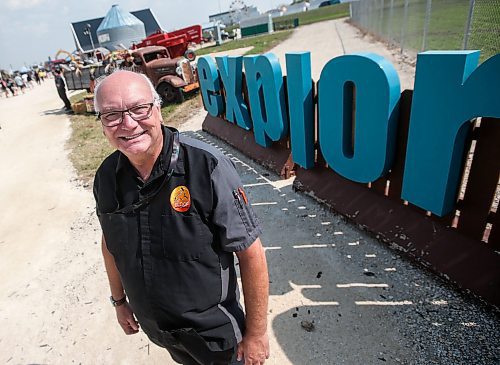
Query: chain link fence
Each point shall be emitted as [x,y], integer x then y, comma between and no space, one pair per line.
[419,25]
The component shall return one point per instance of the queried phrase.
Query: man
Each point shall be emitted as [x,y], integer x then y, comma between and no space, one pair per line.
[19,82]
[61,90]
[173,212]
[128,64]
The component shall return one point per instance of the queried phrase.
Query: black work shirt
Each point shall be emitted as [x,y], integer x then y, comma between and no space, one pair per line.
[175,254]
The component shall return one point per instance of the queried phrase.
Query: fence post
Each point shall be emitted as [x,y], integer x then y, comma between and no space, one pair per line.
[468,24]
[390,35]
[403,26]
[382,5]
[427,20]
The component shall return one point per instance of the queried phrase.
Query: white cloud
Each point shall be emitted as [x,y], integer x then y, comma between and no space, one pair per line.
[23,4]
[38,30]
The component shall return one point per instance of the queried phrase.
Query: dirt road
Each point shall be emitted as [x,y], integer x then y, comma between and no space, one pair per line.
[362,302]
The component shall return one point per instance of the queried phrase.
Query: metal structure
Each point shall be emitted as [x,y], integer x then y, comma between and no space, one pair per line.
[88,31]
[419,25]
[82,41]
[120,29]
[236,9]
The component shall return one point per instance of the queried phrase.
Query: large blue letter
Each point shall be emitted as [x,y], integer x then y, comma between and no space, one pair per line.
[210,86]
[449,91]
[267,98]
[230,69]
[373,83]
[301,107]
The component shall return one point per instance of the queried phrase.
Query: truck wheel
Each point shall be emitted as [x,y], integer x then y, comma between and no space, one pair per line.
[190,55]
[170,94]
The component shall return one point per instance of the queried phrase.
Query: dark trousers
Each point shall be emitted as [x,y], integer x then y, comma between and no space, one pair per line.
[64,98]
[188,348]
[183,356]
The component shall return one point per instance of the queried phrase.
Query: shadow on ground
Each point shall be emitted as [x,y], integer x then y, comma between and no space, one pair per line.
[337,296]
[55,112]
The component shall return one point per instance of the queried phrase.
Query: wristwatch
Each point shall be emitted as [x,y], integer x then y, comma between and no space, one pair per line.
[117,303]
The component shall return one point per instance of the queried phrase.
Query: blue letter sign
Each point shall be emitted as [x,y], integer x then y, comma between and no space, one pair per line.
[367,153]
[210,86]
[267,98]
[230,71]
[301,107]
[449,91]
[358,97]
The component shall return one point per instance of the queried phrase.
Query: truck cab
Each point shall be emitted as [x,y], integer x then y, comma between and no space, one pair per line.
[172,77]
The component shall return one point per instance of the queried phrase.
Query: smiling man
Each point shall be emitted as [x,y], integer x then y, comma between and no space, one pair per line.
[173,214]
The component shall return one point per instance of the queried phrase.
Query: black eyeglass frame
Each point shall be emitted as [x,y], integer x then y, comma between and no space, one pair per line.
[120,120]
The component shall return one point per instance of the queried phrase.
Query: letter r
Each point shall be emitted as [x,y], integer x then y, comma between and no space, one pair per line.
[449,92]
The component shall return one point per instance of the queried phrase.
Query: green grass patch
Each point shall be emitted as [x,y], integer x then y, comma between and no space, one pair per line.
[318,15]
[260,44]
[446,25]
[88,146]
[445,29]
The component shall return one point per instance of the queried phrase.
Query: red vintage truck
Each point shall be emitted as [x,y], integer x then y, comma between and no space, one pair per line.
[171,76]
[176,42]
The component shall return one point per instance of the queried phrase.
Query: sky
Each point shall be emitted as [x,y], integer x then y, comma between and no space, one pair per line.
[33,30]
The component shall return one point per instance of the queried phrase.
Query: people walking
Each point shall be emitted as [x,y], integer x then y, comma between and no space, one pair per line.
[11,86]
[19,82]
[3,87]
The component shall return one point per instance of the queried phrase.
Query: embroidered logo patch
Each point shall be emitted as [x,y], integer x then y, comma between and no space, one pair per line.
[180,199]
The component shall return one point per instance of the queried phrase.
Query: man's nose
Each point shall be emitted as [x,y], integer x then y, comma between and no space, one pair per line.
[128,121]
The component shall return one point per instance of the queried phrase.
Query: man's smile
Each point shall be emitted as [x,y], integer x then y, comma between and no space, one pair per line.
[134,136]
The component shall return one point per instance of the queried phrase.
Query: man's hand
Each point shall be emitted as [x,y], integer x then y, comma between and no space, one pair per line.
[254,349]
[126,319]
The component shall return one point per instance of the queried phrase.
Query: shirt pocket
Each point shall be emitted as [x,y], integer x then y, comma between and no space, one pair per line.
[116,233]
[184,237]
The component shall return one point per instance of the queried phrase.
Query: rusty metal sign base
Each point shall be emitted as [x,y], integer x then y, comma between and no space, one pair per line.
[465,262]
[277,158]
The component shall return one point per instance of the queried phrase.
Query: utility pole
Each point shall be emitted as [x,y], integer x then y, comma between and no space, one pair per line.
[88,32]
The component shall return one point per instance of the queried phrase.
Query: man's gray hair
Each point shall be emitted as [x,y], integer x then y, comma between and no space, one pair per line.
[156,97]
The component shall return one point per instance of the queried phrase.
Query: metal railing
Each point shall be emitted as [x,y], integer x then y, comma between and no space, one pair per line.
[419,25]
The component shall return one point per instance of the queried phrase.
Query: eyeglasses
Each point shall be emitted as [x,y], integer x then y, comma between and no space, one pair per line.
[115,117]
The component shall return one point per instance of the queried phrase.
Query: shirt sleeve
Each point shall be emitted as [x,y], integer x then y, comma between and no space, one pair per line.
[96,194]
[236,222]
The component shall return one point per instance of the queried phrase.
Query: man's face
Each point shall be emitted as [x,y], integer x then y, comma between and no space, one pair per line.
[135,139]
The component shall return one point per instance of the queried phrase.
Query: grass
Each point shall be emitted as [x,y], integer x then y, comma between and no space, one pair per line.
[446,26]
[88,146]
[260,44]
[318,15]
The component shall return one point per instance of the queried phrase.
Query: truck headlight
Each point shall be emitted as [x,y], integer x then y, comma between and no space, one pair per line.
[178,70]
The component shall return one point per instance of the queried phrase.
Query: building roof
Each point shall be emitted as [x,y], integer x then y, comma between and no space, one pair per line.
[82,41]
[219,14]
[116,18]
